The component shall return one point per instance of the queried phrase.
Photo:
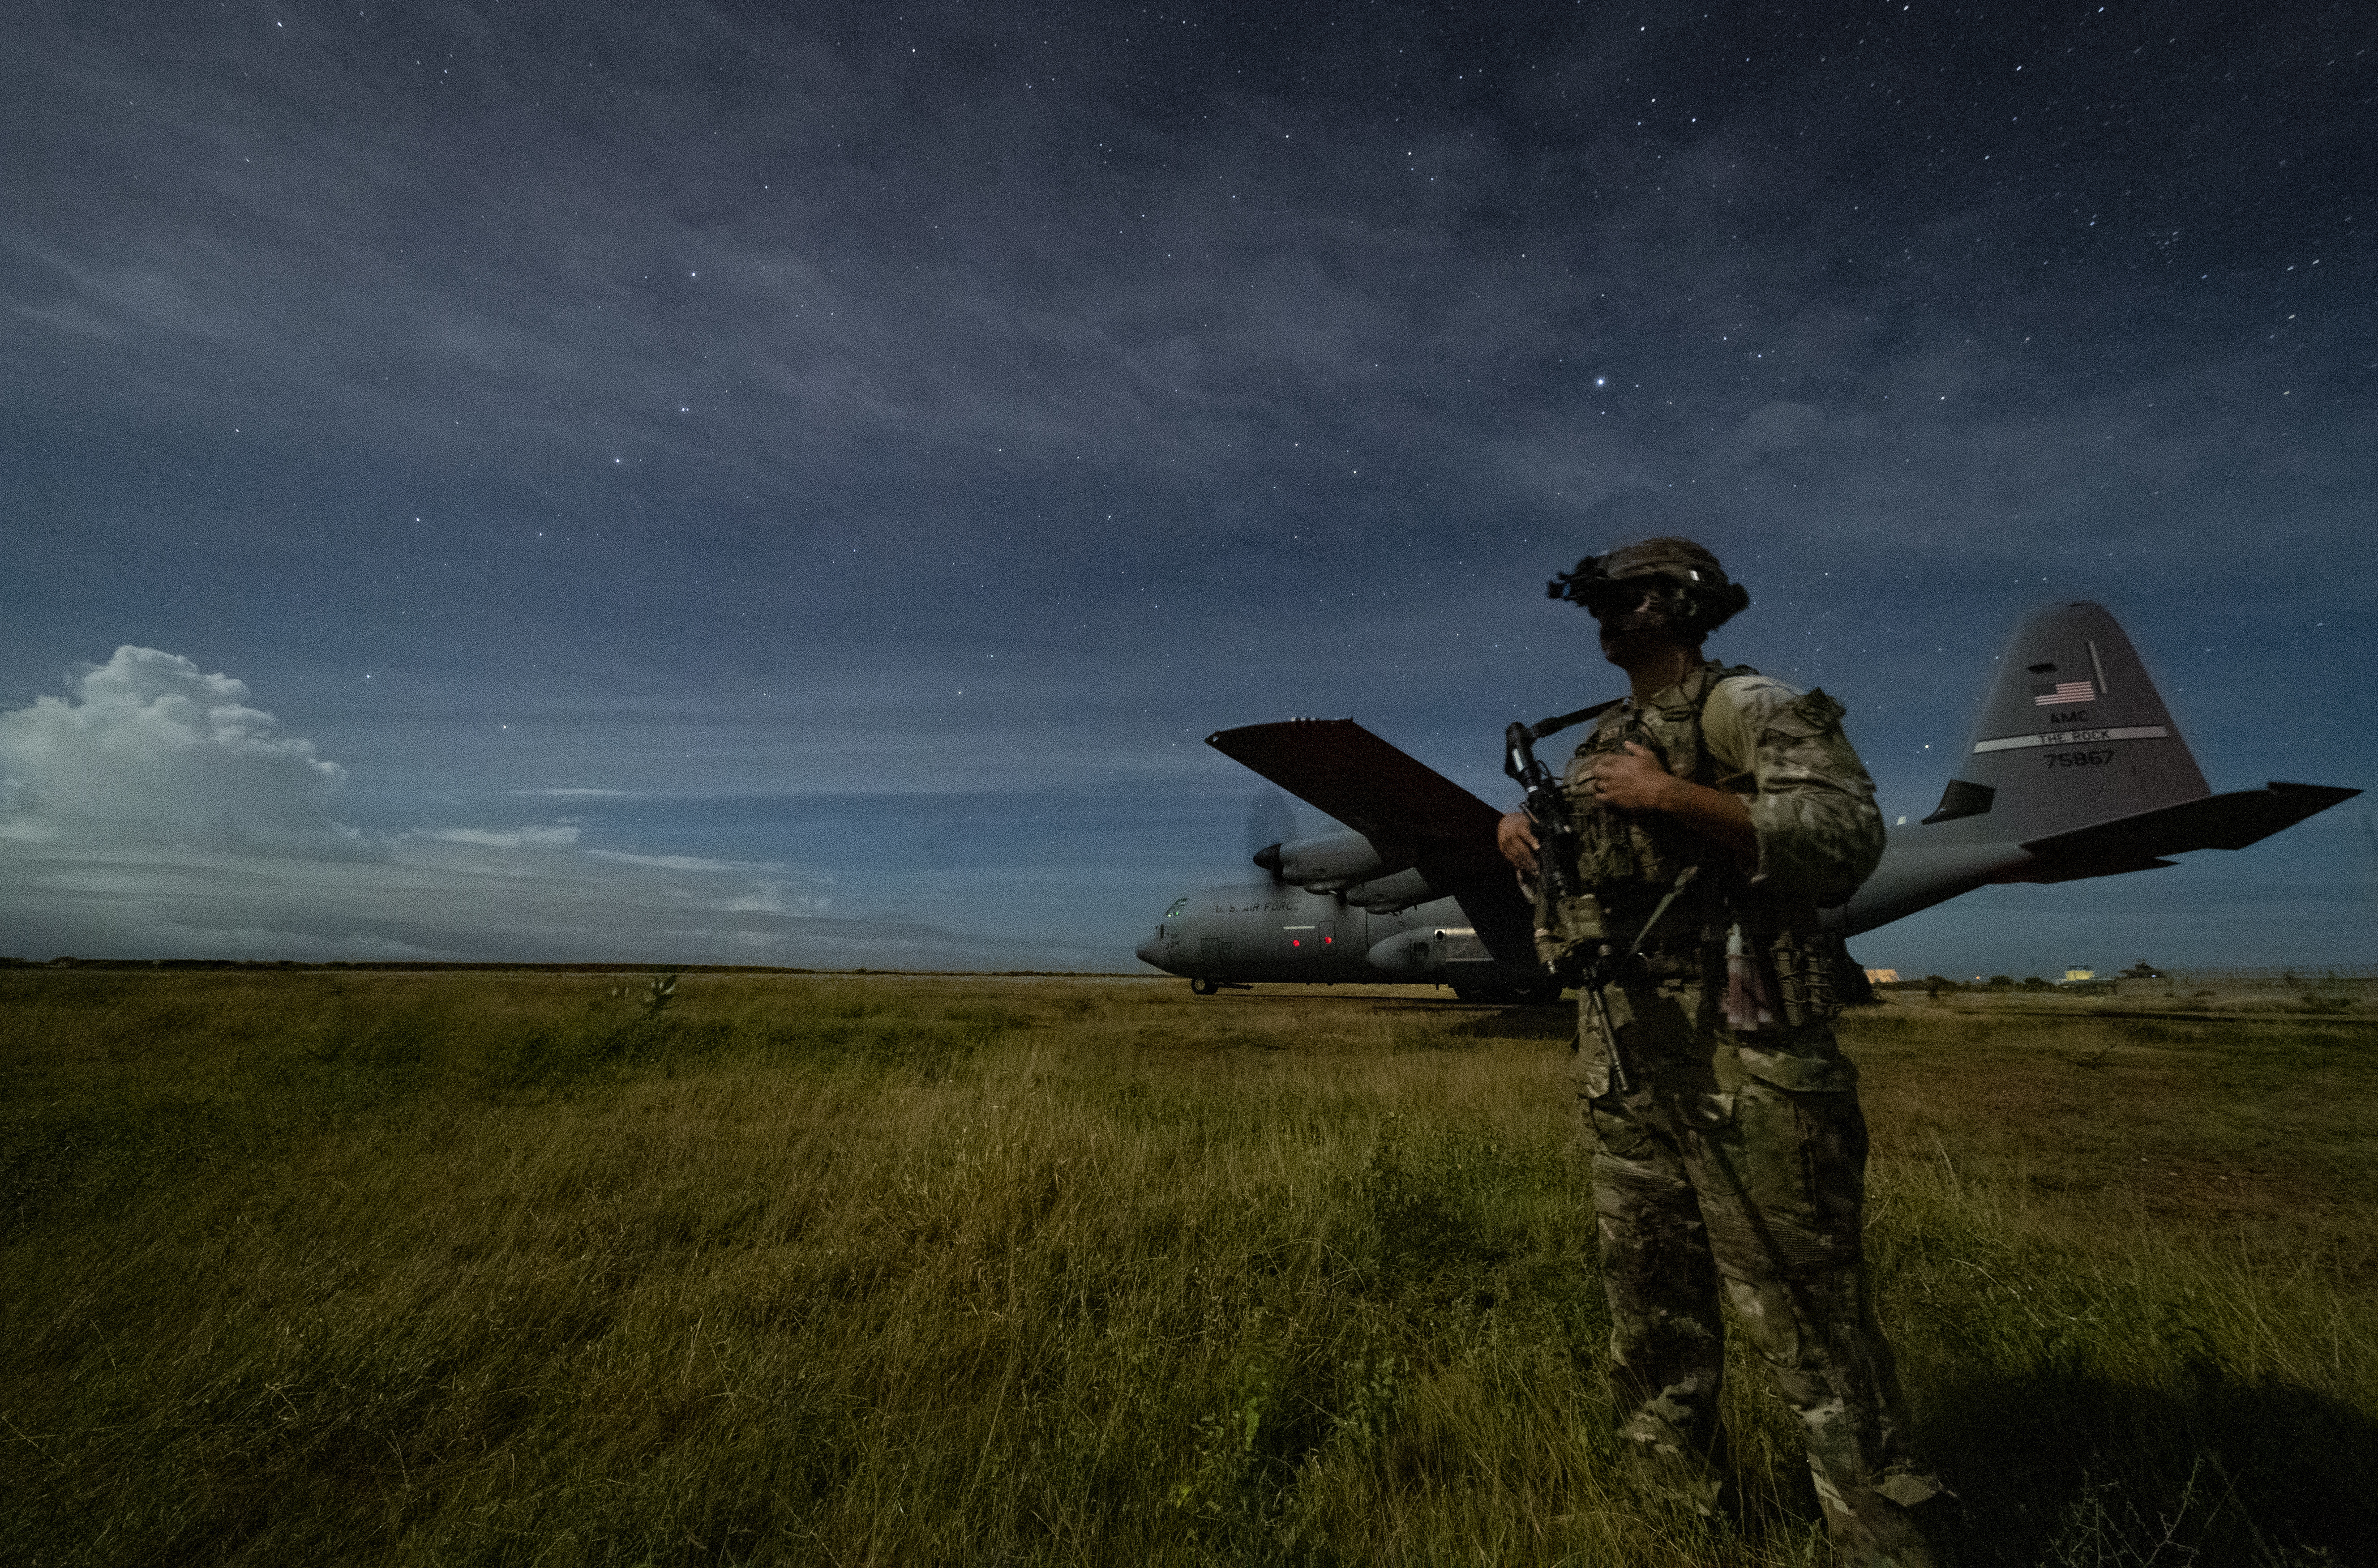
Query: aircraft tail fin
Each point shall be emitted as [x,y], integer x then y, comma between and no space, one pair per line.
[2072,734]
[2075,758]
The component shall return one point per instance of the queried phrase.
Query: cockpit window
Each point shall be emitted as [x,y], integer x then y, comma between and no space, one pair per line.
[1178,906]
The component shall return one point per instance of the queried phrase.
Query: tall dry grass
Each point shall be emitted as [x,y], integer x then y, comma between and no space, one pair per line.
[513,1268]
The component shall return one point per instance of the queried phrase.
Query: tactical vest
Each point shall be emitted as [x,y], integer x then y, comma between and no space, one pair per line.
[1635,865]
[1631,860]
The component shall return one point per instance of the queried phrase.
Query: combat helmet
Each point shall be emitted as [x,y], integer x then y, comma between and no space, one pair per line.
[1700,598]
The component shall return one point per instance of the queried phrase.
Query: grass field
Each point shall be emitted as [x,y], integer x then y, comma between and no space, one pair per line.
[315,1268]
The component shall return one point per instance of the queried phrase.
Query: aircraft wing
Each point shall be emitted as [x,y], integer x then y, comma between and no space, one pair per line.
[1336,766]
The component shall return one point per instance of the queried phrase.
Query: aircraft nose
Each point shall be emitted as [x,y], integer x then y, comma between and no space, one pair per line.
[1155,948]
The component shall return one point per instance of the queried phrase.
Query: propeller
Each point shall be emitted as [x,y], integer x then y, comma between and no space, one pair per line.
[1271,821]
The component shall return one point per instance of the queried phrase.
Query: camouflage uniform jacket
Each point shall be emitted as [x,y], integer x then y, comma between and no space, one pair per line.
[1810,800]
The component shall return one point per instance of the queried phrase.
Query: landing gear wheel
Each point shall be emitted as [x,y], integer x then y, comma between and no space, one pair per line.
[1204,987]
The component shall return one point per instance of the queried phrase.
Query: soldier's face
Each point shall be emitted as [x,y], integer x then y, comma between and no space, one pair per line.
[1636,622]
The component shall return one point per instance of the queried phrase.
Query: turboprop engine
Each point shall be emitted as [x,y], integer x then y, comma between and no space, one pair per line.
[1331,864]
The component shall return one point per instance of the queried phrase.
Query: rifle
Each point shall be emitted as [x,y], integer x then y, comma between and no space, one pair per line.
[1555,835]
[1570,932]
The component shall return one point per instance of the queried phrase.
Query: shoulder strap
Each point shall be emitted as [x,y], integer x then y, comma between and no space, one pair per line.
[1558,722]
[1719,675]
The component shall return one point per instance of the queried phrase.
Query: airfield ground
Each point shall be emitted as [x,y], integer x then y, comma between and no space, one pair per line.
[486,1267]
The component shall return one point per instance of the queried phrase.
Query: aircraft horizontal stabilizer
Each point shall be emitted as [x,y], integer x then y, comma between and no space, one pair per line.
[1336,766]
[2076,769]
[2213,822]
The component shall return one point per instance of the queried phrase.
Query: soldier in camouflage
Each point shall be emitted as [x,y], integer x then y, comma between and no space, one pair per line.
[1715,812]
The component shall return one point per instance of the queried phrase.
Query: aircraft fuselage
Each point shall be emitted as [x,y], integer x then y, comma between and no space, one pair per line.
[1269,931]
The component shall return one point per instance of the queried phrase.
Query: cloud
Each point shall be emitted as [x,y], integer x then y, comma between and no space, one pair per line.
[155,812]
[683,862]
[154,752]
[513,839]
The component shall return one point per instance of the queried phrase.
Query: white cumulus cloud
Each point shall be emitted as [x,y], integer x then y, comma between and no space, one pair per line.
[149,750]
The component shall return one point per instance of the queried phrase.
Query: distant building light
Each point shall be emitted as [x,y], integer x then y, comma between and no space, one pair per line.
[1882,976]
[2073,974]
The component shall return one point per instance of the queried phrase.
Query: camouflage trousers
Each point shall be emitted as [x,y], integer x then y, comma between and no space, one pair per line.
[1733,1170]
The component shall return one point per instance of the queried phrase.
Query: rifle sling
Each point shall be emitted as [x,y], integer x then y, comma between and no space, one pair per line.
[1558,722]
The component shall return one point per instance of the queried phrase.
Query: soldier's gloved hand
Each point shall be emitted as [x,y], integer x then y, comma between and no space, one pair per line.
[1515,835]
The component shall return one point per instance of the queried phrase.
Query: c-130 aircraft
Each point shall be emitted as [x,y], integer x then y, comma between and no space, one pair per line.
[2075,768]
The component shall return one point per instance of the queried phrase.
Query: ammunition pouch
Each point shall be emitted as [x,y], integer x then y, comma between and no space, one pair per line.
[1796,973]
[1807,967]
[1619,850]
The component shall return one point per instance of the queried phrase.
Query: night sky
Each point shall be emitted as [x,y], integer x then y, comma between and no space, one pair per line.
[797,483]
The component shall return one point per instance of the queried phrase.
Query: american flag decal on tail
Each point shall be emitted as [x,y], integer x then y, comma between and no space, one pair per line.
[2062,694]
